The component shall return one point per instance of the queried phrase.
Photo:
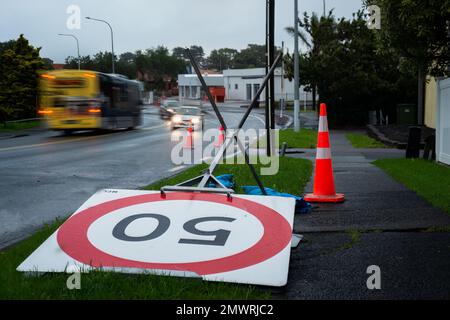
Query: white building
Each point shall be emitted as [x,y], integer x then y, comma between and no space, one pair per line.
[189,86]
[243,84]
[240,85]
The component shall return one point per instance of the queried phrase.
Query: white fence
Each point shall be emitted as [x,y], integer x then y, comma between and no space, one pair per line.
[443,121]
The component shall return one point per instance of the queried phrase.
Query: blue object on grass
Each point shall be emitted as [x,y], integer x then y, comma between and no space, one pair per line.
[301,206]
[225,179]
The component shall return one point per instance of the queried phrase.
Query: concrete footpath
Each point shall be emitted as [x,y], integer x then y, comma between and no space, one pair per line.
[381,223]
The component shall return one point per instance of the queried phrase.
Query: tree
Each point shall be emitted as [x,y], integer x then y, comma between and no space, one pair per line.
[351,73]
[103,61]
[19,63]
[417,31]
[48,63]
[179,52]
[197,52]
[6,45]
[254,56]
[154,66]
[221,59]
[126,65]
[157,66]
[86,63]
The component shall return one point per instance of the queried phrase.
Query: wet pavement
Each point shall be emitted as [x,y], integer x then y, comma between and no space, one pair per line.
[46,175]
[381,223]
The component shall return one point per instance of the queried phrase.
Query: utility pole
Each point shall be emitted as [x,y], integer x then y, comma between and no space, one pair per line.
[296,72]
[270,97]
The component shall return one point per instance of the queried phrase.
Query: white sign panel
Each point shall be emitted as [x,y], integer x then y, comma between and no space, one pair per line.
[244,239]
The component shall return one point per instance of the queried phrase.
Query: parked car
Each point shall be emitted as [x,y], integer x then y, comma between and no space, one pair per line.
[186,117]
[167,109]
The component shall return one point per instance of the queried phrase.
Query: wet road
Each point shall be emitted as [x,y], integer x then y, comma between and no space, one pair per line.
[46,175]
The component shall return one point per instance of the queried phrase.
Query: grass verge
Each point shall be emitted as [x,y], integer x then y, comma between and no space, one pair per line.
[363,141]
[428,179]
[17,126]
[305,139]
[292,177]
[105,285]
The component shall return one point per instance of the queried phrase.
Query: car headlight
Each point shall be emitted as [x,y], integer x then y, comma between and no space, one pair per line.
[170,110]
[195,120]
[176,119]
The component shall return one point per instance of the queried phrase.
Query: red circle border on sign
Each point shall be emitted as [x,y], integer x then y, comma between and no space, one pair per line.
[73,240]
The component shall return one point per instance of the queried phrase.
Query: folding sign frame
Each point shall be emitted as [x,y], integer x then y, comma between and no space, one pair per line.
[200,183]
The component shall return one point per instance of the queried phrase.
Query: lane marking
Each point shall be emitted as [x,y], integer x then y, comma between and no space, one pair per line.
[154,127]
[238,152]
[46,144]
[258,118]
[178,168]
[215,121]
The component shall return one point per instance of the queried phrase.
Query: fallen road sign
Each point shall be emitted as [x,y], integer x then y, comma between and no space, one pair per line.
[243,239]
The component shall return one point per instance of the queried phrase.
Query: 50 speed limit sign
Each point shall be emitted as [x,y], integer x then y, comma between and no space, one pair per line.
[243,239]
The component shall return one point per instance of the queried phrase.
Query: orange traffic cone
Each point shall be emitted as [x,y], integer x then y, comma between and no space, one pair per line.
[189,141]
[324,190]
[221,137]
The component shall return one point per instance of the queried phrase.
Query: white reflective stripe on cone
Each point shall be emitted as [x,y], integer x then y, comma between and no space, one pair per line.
[323,124]
[323,153]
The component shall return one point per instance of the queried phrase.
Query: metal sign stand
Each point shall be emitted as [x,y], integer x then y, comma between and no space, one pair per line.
[200,183]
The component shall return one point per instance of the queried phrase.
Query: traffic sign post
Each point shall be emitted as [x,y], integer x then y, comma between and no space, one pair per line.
[243,239]
[207,177]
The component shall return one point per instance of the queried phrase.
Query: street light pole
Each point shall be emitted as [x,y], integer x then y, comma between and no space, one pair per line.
[78,45]
[296,72]
[112,40]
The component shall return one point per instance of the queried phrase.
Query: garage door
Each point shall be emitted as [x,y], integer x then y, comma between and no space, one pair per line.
[443,122]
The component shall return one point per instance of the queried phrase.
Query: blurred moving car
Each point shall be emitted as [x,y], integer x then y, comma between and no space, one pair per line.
[186,117]
[167,109]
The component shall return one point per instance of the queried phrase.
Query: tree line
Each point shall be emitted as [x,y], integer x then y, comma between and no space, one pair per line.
[353,68]
[157,66]
[356,69]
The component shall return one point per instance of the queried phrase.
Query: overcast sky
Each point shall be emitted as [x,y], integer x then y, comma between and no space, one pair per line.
[141,24]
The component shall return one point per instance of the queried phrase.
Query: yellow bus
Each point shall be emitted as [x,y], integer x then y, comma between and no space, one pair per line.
[71,100]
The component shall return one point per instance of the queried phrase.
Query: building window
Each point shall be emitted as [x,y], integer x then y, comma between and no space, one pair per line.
[236,87]
[188,91]
[256,87]
[194,92]
[249,91]
[182,91]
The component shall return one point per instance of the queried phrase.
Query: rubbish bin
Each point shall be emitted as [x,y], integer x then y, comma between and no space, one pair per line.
[413,147]
[406,114]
